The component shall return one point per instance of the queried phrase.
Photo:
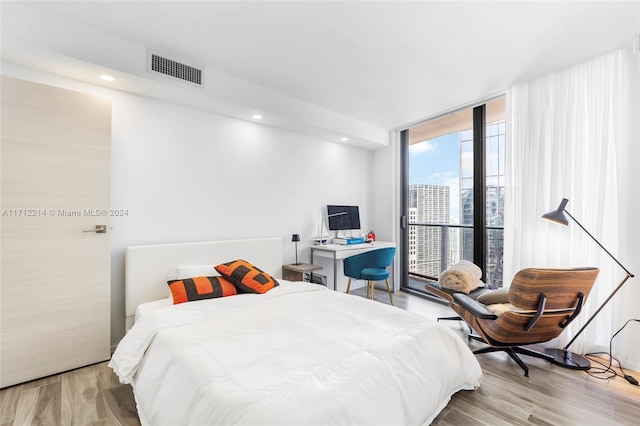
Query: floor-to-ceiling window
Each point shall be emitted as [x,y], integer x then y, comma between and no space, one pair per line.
[454,164]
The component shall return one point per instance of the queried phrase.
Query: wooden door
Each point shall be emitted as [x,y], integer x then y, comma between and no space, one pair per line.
[55,277]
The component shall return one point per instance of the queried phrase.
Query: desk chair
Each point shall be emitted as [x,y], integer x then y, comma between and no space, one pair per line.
[370,266]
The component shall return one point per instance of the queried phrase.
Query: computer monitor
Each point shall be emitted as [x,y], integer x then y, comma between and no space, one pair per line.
[343,217]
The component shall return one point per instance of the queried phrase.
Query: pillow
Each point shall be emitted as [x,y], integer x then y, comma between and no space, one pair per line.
[462,277]
[500,308]
[189,271]
[246,277]
[200,288]
[491,297]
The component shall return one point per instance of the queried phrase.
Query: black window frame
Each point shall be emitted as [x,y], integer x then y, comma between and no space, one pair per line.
[480,233]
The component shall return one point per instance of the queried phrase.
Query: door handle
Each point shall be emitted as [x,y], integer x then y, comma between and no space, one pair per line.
[403,222]
[100,229]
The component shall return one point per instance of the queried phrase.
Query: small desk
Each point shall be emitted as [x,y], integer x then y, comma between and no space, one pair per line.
[339,251]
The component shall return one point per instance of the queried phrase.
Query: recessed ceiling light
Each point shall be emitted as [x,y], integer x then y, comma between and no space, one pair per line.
[344,139]
[106,77]
[257,116]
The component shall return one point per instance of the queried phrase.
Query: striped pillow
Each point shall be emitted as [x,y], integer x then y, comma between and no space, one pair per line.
[246,277]
[200,288]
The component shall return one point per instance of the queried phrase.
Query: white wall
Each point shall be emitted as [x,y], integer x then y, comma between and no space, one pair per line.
[185,174]
[189,175]
[385,198]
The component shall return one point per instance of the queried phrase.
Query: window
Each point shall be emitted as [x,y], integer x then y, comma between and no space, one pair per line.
[453,164]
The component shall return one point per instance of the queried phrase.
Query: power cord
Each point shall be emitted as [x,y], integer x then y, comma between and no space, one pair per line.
[608,369]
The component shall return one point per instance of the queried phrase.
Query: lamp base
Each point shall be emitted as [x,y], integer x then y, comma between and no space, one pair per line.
[568,359]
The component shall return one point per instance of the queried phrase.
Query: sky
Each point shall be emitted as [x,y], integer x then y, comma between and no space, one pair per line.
[437,162]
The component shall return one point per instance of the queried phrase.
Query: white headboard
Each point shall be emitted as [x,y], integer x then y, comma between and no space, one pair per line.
[147,267]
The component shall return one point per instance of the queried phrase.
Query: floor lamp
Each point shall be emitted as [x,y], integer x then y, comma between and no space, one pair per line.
[562,356]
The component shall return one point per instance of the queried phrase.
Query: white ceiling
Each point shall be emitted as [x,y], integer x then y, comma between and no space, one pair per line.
[385,63]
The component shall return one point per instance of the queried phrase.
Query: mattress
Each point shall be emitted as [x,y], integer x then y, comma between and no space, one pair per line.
[299,354]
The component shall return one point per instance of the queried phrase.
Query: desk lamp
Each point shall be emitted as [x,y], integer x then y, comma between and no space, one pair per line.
[295,238]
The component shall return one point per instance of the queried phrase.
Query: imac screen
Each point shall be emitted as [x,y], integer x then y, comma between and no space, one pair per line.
[343,217]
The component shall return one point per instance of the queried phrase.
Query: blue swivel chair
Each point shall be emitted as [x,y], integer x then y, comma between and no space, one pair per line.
[370,266]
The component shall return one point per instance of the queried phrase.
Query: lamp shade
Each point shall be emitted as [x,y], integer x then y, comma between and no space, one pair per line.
[295,238]
[558,215]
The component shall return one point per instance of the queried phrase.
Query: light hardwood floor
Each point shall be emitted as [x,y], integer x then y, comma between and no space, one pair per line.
[550,396]
[90,395]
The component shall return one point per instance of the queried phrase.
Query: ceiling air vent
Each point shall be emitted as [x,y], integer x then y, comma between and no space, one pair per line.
[175,69]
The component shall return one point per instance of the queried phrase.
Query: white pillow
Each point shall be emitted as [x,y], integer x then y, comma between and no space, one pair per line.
[190,271]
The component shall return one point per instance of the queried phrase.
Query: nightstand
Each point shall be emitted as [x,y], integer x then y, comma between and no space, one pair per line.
[301,272]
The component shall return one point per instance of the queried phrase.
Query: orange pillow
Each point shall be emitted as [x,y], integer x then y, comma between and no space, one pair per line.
[246,277]
[200,288]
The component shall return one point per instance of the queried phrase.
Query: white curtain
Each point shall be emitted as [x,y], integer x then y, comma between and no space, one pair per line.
[574,134]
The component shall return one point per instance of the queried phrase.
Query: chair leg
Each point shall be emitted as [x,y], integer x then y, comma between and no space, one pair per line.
[449,319]
[513,353]
[457,318]
[510,351]
[373,290]
[472,336]
[531,352]
[348,285]
[518,360]
[389,290]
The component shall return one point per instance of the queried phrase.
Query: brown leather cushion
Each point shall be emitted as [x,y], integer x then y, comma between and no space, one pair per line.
[500,308]
[500,295]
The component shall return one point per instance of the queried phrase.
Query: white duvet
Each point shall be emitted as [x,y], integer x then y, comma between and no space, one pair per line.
[299,354]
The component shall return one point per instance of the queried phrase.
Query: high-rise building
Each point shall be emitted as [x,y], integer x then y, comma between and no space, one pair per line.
[428,204]
[495,217]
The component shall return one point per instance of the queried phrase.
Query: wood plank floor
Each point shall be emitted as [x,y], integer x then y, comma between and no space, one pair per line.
[87,396]
[550,396]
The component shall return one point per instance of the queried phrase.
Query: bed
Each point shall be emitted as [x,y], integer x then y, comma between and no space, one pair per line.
[298,354]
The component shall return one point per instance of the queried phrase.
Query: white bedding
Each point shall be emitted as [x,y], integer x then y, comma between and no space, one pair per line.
[299,354]
[145,308]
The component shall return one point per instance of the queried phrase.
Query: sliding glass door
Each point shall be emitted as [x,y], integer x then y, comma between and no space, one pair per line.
[453,194]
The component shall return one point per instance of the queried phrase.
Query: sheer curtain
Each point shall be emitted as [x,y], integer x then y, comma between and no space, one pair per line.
[574,134]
